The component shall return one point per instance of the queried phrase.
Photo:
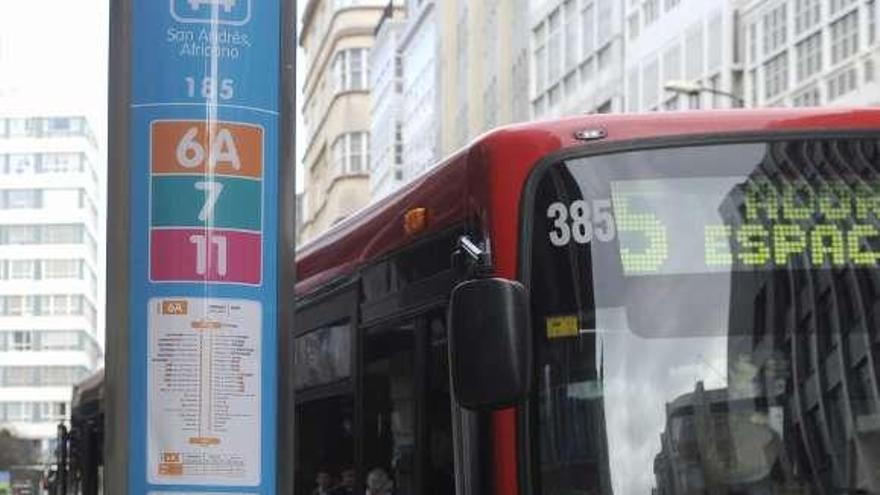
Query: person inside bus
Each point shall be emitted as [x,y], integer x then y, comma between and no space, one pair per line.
[324,483]
[379,483]
[346,486]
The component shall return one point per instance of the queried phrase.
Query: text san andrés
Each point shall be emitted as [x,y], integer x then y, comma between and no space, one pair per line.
[228,44]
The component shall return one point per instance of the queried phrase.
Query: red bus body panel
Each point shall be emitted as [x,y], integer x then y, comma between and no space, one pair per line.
[485,181]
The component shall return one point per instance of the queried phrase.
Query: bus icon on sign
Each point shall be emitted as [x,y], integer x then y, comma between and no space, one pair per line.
[228,12]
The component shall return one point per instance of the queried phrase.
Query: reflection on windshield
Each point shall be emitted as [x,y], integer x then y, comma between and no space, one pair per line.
[674,362]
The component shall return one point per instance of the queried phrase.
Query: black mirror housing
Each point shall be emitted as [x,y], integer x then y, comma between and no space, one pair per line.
[490,344]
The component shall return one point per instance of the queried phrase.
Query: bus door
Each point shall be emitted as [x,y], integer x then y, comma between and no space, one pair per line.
[324,393]
[407,419]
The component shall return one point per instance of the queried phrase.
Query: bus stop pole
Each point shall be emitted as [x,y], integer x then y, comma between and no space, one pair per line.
[118,214]
[286,247]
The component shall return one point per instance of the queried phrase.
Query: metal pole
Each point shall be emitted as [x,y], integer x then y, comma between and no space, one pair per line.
[286,246]
[118,218]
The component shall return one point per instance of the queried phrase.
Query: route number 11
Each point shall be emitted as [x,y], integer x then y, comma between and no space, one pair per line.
[203,245]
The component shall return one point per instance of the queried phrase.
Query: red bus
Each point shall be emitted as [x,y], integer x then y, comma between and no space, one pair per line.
[667,303]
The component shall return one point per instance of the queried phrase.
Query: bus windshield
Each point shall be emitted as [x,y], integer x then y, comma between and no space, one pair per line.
[707,319]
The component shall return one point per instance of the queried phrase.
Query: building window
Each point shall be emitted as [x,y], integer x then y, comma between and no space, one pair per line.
[538,107]
[806,14]
[540,56]
[753,43]
[554,47]
[62,269]
[606,21]
[871,12]
[60,341]
[632,91]
[351,153]
[605,57]
[588,29]
[587,71]
[807,98]
[694,52]
[869,70]
[716,44]
[18,412]
[651,10]
[57,163]
[775,29]
[844,37]
[14,199]
[22,270]
[836,6]
[571,34]
[651,84]
[351,69]
[22,341]
[715,85]
[842,83]
[62,234]
[809,57]
[672,63]
[633,25]
[670,4]
[776,75]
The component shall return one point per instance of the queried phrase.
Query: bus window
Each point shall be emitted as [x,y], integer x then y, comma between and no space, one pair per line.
[389,405]
[325,441]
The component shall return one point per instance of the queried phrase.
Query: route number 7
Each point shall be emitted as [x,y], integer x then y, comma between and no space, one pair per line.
[212,194]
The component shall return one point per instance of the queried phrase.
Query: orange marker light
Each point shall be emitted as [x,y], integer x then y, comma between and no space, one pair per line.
[415,221]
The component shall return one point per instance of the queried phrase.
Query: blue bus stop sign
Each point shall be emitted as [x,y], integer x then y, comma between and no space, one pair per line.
[202,256]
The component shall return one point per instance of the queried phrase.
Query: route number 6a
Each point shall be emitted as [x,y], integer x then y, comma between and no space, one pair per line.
[192,153]
[581,223]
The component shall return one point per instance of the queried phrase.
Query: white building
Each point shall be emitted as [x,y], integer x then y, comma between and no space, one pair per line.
[811,52]
[693,41]
[419,48]
[386,107]
[577,57]
[49,270]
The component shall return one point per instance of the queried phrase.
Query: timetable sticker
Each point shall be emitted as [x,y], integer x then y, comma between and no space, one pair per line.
[203,383]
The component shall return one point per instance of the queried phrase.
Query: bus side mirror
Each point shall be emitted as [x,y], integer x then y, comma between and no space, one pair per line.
[490,344]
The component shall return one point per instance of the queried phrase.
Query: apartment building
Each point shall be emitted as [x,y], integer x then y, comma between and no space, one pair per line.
[811,52]
[49,235]
[336,37]
[689,42]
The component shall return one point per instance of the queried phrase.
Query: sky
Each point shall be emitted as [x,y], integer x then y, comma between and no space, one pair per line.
[53,58]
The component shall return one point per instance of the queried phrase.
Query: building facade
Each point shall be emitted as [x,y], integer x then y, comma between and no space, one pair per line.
[577,50]
[419,47]
[49,270]
[690,41]
[811,52]
[336,37]
[386,109]
[483,69]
